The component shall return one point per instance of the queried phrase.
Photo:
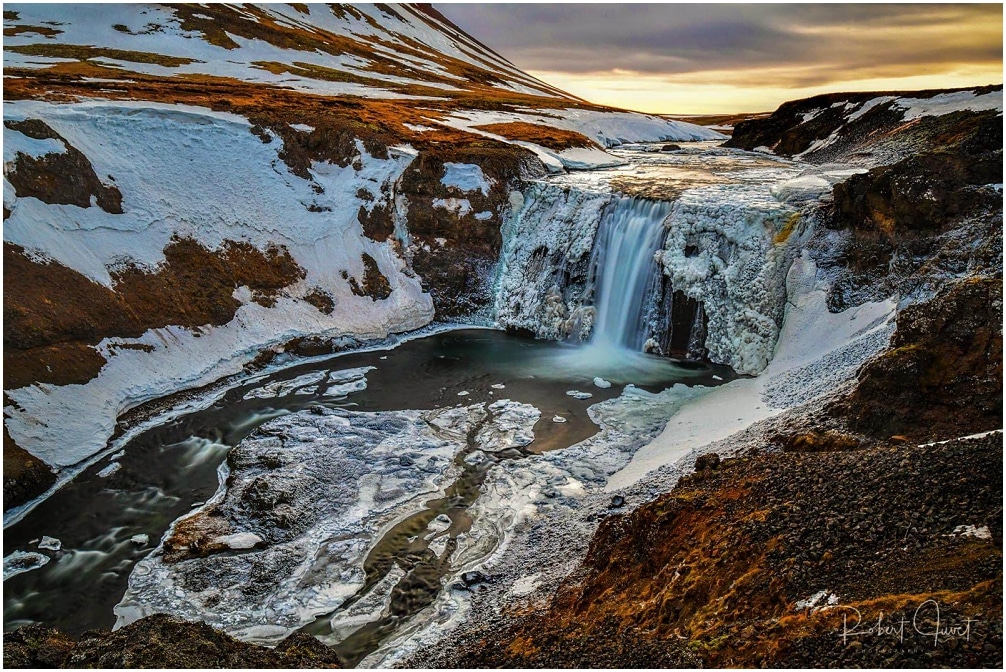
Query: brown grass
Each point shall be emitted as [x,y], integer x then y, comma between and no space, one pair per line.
[552,138]
[83,52]
[53,314]
[44,31]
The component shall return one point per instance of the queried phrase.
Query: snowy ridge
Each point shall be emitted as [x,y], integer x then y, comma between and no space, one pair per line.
[380,49]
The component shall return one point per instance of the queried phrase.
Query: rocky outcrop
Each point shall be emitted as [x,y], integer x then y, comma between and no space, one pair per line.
[454,233]
[60,177]
[943,375]
[754,562]
[876,128]
[159,641]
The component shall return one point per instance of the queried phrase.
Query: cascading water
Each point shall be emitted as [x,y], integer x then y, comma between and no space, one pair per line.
[624,266]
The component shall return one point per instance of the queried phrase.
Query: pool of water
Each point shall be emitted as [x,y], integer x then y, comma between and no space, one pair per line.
[166,471]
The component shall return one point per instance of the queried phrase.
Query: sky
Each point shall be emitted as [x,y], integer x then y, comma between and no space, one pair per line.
[716,58]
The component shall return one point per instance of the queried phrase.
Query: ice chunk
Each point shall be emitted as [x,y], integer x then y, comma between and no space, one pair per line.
[558,418]
[577,394]
[439,524]
[463,393]
[498,386]
[109,470]
[602,383]
[50,544]
[140,539]
[20,562]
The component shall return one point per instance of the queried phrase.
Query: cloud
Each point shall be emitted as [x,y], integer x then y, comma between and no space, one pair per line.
[778,45]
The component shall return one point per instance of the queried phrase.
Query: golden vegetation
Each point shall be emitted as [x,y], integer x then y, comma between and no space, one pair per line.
[556,139]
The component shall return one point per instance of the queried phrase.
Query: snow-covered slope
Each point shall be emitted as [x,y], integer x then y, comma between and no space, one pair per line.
[379,50]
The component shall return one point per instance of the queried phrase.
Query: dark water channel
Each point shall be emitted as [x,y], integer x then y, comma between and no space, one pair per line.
[171,468]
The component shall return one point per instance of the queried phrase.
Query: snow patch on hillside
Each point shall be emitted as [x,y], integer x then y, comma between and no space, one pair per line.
[467,177]
[945,103]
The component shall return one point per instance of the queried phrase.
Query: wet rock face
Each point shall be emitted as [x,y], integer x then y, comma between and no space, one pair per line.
[942,376]
[454,233]
[61,177]
[159,641]
[722,570]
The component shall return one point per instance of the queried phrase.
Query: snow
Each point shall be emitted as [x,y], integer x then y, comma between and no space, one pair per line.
[15,142]
[109,470]
[817,601]
[525,585]
[418,128]
[239,540]
[945,103]
[459,206]
[467,177]
[970,436]
[483,216]
[303,128]
[255,200]
[982,532]
[867,106]
[813,114]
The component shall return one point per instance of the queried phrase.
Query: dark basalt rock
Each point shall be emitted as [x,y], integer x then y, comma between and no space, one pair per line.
[159,641]
[942,376]
[25,477]
[878,136]
[474,578]
[670,148]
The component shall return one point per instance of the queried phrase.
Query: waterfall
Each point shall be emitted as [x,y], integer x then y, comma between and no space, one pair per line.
[630,234]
